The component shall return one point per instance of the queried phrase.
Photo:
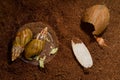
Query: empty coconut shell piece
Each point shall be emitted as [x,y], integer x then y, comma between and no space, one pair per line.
[98,16]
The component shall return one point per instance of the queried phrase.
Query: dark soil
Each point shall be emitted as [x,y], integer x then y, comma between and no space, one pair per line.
[64,17]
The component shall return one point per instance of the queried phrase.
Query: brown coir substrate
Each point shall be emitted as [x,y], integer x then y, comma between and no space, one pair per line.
[64,17]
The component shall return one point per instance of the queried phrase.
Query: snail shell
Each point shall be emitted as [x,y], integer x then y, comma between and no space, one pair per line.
[50,46]
[21,39]
[34,48]
[98,16]
[36,45]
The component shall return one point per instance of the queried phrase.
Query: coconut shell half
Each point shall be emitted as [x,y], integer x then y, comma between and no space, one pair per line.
[98,16]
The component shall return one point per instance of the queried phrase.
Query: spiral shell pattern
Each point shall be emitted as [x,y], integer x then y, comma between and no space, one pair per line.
[34,48]
[21,39]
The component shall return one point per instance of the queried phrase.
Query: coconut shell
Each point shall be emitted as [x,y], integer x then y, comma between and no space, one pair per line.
[98,16]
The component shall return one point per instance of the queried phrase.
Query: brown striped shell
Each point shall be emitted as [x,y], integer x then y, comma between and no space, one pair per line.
[21,39]
[34,48]
[36,45]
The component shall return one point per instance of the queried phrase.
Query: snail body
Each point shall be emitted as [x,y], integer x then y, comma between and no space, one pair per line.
[21,39]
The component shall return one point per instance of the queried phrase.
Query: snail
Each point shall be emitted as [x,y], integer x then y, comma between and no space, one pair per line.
[21,39]
[98,16]
[36,45]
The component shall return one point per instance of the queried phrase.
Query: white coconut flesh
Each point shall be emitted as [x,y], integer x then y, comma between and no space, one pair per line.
[82,54]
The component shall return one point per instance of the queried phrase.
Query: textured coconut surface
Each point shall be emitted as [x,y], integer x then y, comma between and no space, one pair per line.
[64,17]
